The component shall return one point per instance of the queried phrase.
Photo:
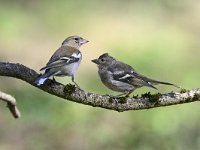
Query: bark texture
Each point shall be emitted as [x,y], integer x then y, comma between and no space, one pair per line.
[72,93]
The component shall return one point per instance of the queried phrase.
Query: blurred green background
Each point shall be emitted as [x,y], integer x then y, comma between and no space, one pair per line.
[159,38]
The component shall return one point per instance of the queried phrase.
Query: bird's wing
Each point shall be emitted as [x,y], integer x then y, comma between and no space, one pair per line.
[121,72]
[125,73]
[141,80]
[63,56]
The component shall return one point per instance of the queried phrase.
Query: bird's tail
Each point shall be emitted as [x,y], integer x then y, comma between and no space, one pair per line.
[166,83]
[151,82]
[41,79]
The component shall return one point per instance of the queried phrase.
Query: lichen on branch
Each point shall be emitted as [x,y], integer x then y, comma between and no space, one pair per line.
[75,94]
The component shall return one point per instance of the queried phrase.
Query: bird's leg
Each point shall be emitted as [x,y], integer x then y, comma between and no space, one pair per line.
[128,93]
[54,79]
[125,94]
[121,94]
[74,82]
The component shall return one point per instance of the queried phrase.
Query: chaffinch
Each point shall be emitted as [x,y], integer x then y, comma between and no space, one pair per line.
[65,61]
[121,77]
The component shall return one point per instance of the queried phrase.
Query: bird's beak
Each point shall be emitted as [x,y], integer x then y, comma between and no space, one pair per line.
[96,61]
[83,41]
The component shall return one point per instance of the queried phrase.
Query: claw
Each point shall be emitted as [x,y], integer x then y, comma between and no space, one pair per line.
[118,100]
[114,99]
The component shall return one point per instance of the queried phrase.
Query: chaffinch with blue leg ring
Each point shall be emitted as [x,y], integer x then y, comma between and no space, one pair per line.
[121,77]
[65,61]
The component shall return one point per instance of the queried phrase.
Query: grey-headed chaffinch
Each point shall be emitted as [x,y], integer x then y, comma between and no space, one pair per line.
[121,77]
[65,61]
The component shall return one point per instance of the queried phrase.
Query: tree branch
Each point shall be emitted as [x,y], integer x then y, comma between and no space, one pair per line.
[11,104]
[75,94]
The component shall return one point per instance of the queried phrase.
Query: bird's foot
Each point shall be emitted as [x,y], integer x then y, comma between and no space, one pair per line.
[135,96]
[118,99]
[114,99]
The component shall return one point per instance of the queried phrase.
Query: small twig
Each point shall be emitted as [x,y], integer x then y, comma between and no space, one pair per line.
[11,104]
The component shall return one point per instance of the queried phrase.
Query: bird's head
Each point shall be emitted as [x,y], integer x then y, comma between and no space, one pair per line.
[74,41]
[105,60]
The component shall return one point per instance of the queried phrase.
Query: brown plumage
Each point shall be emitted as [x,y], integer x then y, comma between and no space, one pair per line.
[65,61]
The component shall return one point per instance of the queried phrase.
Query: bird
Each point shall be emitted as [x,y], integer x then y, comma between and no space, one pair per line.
[121,77]
[65,60]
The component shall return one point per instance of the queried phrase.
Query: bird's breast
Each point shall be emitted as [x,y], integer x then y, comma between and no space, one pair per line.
[70,69]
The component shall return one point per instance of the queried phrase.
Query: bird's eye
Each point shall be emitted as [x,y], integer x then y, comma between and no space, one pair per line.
[102,60]
[76,39]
